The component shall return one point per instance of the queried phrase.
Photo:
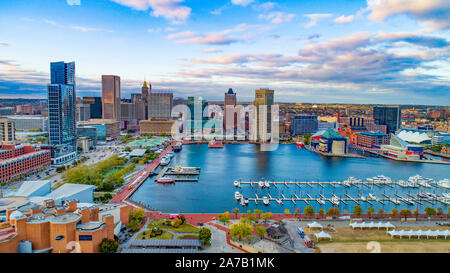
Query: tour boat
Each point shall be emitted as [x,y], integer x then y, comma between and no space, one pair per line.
[165,180]
[335,200]
[236,183]
[266,200]
[261,184]
[164,161]
[299,144]
[237,195]
[266,184]
[177,147]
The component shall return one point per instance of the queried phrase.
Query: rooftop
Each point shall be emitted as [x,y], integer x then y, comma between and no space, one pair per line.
[13,202]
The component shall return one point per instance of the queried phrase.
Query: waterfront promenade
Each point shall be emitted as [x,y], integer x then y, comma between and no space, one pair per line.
[139,178]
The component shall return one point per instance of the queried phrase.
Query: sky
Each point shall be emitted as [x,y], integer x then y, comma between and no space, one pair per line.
[366,51]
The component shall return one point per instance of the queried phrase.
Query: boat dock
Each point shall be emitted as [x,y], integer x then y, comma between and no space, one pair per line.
[180,174]
[323,183]
[348,198]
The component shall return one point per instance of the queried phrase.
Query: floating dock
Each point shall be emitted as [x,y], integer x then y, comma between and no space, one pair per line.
[180,174]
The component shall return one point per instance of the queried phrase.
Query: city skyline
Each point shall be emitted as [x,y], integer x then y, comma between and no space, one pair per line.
[388,52]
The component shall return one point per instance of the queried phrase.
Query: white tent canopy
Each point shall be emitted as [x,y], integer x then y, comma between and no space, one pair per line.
[372,225]
[420,233]
[322,235]
[315,225]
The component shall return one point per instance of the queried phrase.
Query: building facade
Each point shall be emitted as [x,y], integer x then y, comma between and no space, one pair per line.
[111,97]
[26,123]
[304,124]
[95,106]
[7,131]
[62,111]
[389,116]
[160,105]
[372,139]
[264,100]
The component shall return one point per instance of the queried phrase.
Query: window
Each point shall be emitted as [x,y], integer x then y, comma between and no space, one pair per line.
[60,237]
[85,238]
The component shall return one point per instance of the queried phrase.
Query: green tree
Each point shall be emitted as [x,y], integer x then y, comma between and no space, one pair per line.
[380,212]
[308,211]
[416,212]
[429,211]
[370,211]
[241,230]
[258,212]
[235,211]
[260,231]
[405,213]
[440,211]
[394,212]
[108,246]
[205,236]
[357,210]
[322,212]
[183,219]
[224,217]
[333,211]
[266,216]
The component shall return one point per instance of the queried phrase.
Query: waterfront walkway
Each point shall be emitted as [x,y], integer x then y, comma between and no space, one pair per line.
[138,179]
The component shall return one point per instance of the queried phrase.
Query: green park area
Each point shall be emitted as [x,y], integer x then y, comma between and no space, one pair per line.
[147,143]
[106,175]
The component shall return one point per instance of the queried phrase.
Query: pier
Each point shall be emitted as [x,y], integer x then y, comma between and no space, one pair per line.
[182,174]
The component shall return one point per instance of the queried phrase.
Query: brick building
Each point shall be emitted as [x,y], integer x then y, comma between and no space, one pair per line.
[18,160]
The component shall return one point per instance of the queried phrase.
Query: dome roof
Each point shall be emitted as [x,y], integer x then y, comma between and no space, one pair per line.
[16,214]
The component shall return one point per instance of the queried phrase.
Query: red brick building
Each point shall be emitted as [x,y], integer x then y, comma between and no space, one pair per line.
[18,160]
[372,139]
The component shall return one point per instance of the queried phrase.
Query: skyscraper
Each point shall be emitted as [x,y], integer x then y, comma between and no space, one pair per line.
[111,97]
[389,116]
[230,104]
[62,111]
[263,114]
[95,104]
[160,105]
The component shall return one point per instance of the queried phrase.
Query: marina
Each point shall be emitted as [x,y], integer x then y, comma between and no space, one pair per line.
[291,179]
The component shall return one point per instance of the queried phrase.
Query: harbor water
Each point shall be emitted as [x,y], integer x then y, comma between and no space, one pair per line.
[214,192]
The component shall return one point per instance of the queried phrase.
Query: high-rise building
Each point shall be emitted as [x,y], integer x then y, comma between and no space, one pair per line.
[264,99]
[146,89]
[111,97]
[62,111]
[95,104]
[304,124]
[197,120]
[389,116]
[230,103]
[126,110]
[83,112]
[139,107]
[160,105]
[7,131]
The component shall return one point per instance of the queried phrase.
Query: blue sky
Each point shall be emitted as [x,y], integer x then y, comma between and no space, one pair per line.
[375,51]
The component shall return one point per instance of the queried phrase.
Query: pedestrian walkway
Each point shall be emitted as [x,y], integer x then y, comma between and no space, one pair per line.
[227,232]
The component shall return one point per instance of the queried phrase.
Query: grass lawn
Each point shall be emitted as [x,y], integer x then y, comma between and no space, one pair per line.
[188,237]
[165,235]
[348,240]
[112,170]
[184,228]
[155,223]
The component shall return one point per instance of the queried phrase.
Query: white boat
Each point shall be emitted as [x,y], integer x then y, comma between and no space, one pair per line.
[279,201]
[335,200]
[246,201]
[444,183]
[373,197]
[321,201]
[346,184]
[261,184]
[164,161]
[266,184]
[237,195]
[446,195]
[403,184]
[236,183]
[266,200]
[363,198]
[242,202]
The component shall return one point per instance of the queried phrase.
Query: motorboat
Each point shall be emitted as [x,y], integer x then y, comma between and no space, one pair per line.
[170,154]
[422,195]
[373,197]
[444,183]
[246,201]
[321,201]
[446,195]
[261,184]
[346,184]
[266,184]
[237,195]
[242,202]
[164,161]
[335,200]
[266,200]
[236,183]
[279,201]
[165,180]
[403,184]
[363,198]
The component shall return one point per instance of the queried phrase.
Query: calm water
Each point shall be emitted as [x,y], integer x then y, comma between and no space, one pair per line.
[214,192]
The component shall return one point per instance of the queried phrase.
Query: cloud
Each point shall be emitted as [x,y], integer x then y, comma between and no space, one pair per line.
[74,27]
[169,9]
[315,18]
[344,19]
[3,44]
[434,14]
[225,37]
[242,3]
[211,50]
[266,6]
[73,2]
[277,17]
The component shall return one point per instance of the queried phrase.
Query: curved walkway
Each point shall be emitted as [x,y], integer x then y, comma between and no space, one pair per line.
[227,232]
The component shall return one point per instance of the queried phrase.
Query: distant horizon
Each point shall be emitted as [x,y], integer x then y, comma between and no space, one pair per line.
[353,51]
